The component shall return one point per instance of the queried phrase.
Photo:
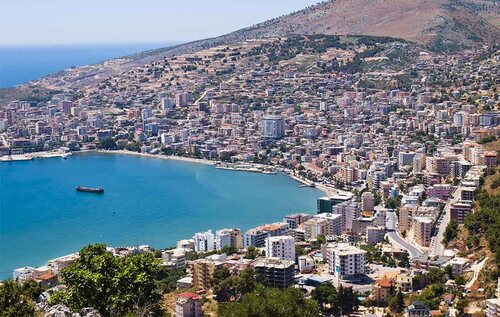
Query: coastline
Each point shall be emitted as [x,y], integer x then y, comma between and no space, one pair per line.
[157,156]
[329,191]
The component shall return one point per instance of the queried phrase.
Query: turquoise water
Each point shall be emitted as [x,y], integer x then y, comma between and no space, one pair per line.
[19,64]
[146,201]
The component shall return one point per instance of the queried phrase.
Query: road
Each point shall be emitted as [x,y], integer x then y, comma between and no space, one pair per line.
[436,247]
[476,268]
[396,239]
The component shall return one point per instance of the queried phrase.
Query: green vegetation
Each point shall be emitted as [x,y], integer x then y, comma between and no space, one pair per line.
[431,296]
[339,302]
[264,302]
[487,139]
[485,222]
[112,285]
[108,144]
[397,302]
[451,232]
[17,300]
[229,287]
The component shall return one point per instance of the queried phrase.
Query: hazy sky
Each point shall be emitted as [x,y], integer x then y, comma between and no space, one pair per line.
[128,21]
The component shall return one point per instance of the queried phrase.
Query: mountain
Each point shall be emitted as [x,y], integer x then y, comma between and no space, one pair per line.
[457,23]
[441,25]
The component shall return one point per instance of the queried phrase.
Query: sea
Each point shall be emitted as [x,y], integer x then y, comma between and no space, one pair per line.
[19,64]
[147,201]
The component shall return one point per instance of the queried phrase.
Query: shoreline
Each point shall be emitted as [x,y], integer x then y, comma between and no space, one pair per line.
[329,191]
[157,156]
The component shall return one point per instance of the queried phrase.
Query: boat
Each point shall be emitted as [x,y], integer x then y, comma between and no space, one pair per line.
[97,190]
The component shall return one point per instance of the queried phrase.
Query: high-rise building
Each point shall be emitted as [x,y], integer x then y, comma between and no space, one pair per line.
[282,247]
[278,273]
[349,211]
[273,127]
[228,238]
[367,201]
[204,241]
[422,227]
[345,261]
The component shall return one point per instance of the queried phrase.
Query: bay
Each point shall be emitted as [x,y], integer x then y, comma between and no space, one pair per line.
[146,201]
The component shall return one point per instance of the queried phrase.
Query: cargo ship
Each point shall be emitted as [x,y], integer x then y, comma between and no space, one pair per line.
[90,190]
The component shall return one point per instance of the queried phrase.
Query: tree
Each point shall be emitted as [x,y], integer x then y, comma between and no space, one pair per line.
[436,275]
[450,232]
[264,302]
[252,253]
[108,144]
[112,285]
[405,260]
[321,239]
[232,287]
[16,300]
[397,302]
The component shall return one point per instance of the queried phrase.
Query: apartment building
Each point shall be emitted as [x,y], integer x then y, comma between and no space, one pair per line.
[282,247]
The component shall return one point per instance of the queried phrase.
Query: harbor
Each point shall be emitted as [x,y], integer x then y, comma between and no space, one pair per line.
[30,156]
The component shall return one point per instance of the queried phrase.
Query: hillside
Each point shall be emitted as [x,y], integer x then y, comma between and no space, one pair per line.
[441,25]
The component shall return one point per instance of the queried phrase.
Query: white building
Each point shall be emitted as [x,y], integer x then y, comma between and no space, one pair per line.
[204,241]
[282,247]
[222,239]
[174,258]
[345,261]
[493,304]
[334,223]
[23,273]
[306,264]
[273,127]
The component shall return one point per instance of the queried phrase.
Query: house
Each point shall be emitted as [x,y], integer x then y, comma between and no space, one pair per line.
[383,289]
[417,309]
[188,304]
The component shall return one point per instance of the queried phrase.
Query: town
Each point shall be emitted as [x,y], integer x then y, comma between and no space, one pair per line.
[399,138]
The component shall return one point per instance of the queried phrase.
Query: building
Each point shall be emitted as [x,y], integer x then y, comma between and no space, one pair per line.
[437,165]
[174,258]
[493,304]
[422,227]
[204,241]
[273,127]
[460,210]
[325,204]
[333,223]
[23,273]
[382,290]
[349,212]
[314,227]
[367,201]
[282,247]
[374,235]
[306,264]
[418,309]
[405,159]
[203,270]
[257,236]
[295,220]
[345,261]
[406,214]
[188,305]
[278,273]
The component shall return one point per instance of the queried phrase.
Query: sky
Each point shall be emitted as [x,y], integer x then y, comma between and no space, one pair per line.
[48,22]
